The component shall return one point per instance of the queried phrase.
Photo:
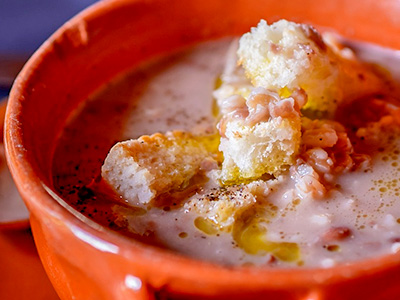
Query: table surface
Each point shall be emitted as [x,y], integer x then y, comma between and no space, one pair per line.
[21,272]
[24,25]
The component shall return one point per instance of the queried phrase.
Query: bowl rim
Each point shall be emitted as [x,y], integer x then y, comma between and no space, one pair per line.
[32,188]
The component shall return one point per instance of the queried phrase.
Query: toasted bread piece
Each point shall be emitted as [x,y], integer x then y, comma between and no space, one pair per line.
[285,56]
[265,148]
[140,169]
[251,151]
[260,135]
[221,206]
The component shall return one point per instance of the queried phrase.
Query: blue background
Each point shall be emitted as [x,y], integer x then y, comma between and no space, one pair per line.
[26,24]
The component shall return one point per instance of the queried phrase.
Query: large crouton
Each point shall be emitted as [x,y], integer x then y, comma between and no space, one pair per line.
[265,148]
[141,169]
[285,56]
[260,135]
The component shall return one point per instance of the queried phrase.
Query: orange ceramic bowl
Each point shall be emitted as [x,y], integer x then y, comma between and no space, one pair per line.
[87,261]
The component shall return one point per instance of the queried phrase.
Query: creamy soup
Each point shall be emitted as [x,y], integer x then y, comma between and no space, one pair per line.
[357,218]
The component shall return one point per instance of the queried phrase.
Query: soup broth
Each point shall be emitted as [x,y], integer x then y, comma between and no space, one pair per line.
[359,217]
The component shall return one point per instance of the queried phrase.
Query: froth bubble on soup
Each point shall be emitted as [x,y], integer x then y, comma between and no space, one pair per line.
[278,150]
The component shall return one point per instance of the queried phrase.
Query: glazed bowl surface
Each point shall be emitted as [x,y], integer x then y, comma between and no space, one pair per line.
[87,261]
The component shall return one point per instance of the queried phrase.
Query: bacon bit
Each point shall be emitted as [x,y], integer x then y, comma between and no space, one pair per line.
[331,137]
[395,240]
[256,100]
[221,126]
[320,133]
[314,35]
[271,260]
[308,185]
[341,154]
[300,97]
[258,104]
[343,143]
[319,159]
[322,137]
[241,113]
[261,105]
[363,161]
[343,162]
[232,103]
[336,234]
[284,108]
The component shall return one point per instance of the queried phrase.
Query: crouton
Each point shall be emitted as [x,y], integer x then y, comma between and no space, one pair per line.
[260,135]
[285,56]
[220,207]
[141,169]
